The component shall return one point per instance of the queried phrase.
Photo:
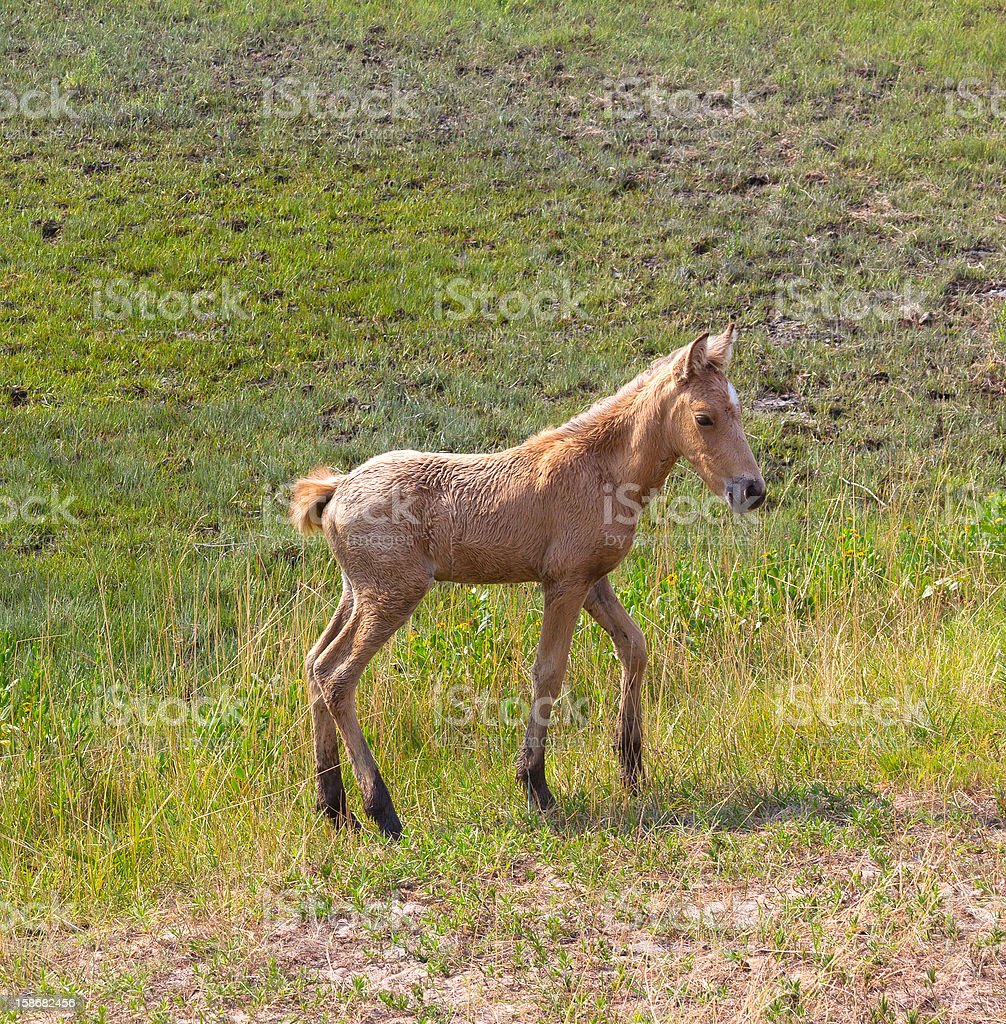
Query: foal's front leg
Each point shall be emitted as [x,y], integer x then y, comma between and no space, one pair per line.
[563,602]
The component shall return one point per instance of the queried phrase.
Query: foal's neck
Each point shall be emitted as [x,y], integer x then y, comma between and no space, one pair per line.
[643,449]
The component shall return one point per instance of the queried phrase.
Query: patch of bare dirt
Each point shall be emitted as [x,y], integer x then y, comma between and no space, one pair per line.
[771,401]
[908,915]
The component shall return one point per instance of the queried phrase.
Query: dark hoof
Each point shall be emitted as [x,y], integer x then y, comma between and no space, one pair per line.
[390,826]
[380,808]
[631,766]
[386,819]
[632,776]
[340,817]
[540,799]
[539,796]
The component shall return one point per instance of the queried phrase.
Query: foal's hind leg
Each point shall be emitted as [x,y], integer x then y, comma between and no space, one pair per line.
[562,608]
[606,609]
[375,617]
[331,791]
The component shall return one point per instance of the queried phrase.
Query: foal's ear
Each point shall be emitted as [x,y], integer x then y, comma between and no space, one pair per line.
[693,359]
[720,350]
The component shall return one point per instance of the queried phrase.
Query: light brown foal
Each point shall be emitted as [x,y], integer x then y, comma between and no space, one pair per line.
[560,509]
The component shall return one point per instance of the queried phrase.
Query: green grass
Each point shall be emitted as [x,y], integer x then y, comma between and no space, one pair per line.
[820,677]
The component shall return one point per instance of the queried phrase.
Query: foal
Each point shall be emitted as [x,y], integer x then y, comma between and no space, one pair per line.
[560,509]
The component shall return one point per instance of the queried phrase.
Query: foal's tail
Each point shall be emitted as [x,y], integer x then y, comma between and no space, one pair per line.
[310,496]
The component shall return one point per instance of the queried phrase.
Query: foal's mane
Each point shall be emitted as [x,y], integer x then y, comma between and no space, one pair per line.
[606,413]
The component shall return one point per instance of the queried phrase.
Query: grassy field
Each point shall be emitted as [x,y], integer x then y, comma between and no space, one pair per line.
[241,239]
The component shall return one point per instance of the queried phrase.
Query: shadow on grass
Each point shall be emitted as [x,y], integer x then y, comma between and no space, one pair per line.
[742,811]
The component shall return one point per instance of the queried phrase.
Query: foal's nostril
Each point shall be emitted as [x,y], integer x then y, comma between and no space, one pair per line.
[754,495]
[745,493]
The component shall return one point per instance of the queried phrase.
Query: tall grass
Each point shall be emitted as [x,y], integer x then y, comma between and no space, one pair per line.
[177,755]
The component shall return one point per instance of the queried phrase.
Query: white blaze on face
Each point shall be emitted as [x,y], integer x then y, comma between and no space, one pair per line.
[734,400]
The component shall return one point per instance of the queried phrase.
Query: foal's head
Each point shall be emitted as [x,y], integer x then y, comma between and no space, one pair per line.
[707,422]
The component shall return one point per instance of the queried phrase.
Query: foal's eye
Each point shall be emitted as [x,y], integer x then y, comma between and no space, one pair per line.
[703,420]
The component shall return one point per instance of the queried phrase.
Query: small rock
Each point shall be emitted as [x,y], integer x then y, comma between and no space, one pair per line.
[646,948]
[776,402]
[983,917]
[706,915]
[746,913]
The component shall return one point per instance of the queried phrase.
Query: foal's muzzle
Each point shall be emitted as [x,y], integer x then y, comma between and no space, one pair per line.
[745,493]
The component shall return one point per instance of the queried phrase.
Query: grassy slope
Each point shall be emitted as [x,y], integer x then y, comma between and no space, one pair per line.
[155,747]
